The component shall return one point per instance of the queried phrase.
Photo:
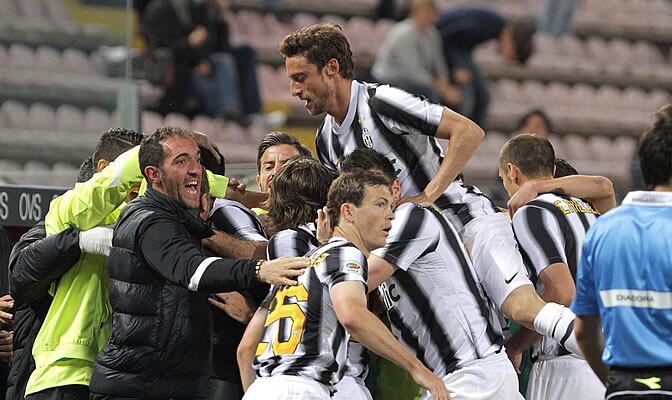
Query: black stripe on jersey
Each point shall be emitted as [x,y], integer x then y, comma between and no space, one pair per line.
[469,278]
[357,131]
[536,225]
[326,376]
[302,242]
[222,222]
[413,224]
[529,265]
[429,318]
[565,228]
[392,111]
[322,147]
[407,334]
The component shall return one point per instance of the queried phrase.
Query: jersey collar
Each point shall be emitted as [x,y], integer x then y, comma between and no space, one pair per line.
[649,198]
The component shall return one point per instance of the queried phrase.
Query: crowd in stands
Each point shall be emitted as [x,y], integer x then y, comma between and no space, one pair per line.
[370,266]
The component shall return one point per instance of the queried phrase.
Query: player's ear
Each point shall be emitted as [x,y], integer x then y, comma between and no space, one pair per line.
[513,172]
[346,212]
[333,67]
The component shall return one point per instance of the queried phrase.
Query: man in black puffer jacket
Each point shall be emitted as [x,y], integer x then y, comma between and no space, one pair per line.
[159,347]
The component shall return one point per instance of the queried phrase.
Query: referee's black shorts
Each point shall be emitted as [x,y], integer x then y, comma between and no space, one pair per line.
[639,383]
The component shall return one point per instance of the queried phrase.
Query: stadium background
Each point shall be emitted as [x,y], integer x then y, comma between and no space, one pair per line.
[62,67]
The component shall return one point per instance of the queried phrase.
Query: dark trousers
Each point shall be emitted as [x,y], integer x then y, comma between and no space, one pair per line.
[246,64]
[639,384]
[69,392]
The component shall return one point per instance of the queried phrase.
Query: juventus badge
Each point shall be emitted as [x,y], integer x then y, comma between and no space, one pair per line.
[366,137]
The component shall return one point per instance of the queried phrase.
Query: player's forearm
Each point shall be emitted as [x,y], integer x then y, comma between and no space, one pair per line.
[521,340]
[464,138]
[226,246]
[248,347]
[374,335]
[589,338]
[598,190]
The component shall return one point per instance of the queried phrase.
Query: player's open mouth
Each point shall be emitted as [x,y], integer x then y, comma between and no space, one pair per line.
[192,186]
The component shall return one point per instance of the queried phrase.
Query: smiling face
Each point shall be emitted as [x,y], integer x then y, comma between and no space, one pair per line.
[181,173]
[273,158]
[309,84]
[373,218]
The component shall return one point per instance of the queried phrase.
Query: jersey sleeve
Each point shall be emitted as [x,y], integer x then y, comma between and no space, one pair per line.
[539,236]
[89,203]
[586,299]
[404,113]
[412,235]
[235,221]
[343,264]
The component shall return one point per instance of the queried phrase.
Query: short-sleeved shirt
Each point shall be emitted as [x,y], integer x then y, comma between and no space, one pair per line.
[299,242]
[625,275]
[402,127]
[435,304]
[302,335]
[550,229]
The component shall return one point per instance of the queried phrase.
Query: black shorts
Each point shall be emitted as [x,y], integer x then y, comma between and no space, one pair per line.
[639,384]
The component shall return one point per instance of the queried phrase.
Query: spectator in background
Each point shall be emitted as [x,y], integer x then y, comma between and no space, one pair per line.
[623,286]
[222,76]
[557,17]
[535,121]
[462,30]
[6,305]
[410,57]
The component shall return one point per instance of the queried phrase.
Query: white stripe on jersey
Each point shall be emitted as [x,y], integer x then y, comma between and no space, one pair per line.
[400,126]
[299,242]
[435,304]
[302,335]
[550,229]
[233,218]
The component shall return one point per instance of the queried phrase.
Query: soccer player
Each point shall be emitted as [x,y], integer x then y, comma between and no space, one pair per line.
[404,128]
[549,231]
[303,347]
[435,305]
[623,289]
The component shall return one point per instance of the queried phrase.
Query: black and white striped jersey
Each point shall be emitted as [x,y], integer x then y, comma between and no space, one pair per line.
[302,335]
[550,229]
[298,242]
[402,127]
[293,242]
[235,219]
[434,302]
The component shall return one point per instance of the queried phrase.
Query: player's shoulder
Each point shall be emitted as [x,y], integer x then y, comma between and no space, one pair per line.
[230,206]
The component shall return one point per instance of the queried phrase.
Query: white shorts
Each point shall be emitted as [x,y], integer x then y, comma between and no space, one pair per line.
[564,378]
[491,378]
[498,264]
[350,388]
[287,387]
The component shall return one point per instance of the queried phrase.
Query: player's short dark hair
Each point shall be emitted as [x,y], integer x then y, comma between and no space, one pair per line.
[114,142]
[276,138]
[366,159]
[655,149]
[535,111]
[351,188]
[563,168]
[86,170]
[532,154]
[300,188]
[151,148]
[522,37]
[319,44]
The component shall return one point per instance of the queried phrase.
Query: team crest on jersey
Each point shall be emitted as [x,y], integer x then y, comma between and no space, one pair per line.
[366,137]
[354,267]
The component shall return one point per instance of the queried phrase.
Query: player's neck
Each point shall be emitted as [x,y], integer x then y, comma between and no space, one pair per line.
[353,236]
[663,188]
[341,100]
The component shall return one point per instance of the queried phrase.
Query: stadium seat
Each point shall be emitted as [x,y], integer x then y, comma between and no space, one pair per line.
[69,119]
